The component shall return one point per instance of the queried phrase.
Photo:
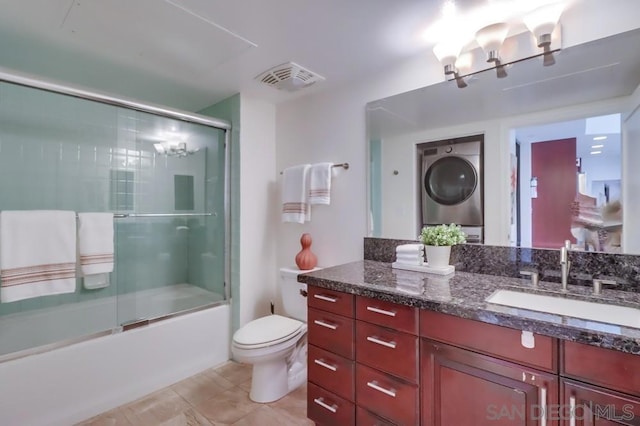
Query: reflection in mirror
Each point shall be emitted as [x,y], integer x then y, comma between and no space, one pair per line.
[590,83]
[566,184]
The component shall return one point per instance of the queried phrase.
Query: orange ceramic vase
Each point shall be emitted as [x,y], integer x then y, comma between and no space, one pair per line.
[306,259]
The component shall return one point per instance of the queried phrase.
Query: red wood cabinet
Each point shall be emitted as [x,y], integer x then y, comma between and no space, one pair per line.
[387,350]
[494,340]
[330,358]
[464,388]
[326,408]
[604,367]
[372,362]
[588,405]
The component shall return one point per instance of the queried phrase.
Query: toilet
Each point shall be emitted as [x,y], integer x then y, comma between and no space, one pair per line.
[276,345]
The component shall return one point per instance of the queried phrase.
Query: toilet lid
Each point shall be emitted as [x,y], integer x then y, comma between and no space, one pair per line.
[265,330]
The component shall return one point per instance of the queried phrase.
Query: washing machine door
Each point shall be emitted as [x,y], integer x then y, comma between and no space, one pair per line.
[450,180]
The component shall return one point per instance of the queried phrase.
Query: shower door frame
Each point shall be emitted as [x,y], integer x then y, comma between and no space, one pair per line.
[220,124]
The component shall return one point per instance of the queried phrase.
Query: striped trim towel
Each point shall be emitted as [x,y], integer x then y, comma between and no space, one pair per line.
[37,253]
[295,197]
[95,247]
[320,183]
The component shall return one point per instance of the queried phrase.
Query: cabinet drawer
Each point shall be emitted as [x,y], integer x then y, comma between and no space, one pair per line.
[387,350]
[331,371]
[593,405]
[605,367]
[331,301]
[326,408]
[331,331]
[386,395]
[392,315]
[503,342]
[366,418]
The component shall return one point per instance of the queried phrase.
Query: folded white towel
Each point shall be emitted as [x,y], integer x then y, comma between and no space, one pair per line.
[95,246]
[37,253]
[410,261]
[320,183]
[295,196]
[417,257]
[409,248]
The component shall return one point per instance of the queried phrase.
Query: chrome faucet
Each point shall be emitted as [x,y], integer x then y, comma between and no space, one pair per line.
[565,263]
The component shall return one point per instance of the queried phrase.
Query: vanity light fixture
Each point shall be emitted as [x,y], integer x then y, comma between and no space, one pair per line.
[495,23]
[447,53]
[541,22]
[490,38]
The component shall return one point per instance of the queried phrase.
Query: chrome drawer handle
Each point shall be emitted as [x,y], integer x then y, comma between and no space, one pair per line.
[321,363]
[572,411]
[377,341]
[376,386]
[325,325]
[543,406]
[325,298]
[381,311]
[320,401]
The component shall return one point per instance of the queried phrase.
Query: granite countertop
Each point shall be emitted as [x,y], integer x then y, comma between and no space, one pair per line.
[463,294]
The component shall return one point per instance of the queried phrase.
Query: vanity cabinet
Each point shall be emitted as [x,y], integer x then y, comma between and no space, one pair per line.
[461,387]
[373,362]
[588,405]
[387,373]
[599,386]
[476,373]
[330,357]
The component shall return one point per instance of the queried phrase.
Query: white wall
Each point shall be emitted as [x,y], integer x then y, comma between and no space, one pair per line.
[631,178]
[258,208]
[71,384]
[331,127]
[400,212]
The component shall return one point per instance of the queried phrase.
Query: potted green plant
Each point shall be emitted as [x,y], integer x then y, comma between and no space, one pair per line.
[438,240]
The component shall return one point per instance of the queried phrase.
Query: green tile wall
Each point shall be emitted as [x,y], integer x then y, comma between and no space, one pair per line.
[60,152]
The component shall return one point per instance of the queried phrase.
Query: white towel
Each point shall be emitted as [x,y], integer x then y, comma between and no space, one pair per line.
[320,183]
[37,253]
[95,245]
[409,248]
[295,197]
[410,259]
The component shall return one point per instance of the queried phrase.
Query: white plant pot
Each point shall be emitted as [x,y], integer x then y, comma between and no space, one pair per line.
[438,256]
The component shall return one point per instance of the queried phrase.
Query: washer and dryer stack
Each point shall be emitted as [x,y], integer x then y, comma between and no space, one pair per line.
[451,182]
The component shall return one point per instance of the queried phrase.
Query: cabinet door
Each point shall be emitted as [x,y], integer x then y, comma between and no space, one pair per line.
[587,405]
[464,388]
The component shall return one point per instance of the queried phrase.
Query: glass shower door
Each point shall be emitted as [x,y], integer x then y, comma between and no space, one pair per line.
[168,196]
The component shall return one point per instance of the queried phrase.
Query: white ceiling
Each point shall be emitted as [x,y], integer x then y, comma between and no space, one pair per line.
[190,54]
[611,146]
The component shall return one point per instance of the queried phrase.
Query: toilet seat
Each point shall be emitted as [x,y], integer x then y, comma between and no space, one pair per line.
[267,331]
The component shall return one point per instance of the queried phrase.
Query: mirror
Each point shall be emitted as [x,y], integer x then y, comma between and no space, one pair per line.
[589,81]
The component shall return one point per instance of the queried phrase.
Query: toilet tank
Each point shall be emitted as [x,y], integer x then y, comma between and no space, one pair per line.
[293,302]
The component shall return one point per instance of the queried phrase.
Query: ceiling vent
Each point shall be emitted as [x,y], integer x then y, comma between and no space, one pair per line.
[289,76]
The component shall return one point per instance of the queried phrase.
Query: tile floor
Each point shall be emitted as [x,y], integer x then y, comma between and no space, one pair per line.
[214,397]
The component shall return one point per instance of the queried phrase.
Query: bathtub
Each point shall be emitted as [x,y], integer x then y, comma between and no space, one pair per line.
[32,329]
[72,383]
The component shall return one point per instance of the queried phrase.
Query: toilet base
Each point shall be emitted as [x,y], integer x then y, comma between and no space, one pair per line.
[272,381]
[269,381]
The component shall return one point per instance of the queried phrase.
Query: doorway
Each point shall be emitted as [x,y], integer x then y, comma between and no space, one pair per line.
[569,183]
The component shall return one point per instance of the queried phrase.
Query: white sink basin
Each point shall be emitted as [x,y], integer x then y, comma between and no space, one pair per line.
[592,311]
